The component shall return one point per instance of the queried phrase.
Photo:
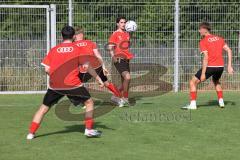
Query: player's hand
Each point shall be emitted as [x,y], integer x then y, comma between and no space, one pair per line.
[105,71]
[100,82]
[230,70]
[203,77]
[114,59]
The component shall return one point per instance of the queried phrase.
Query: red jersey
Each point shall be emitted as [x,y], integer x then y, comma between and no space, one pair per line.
[86,48]
[214,46]
[63,61]
[121,41]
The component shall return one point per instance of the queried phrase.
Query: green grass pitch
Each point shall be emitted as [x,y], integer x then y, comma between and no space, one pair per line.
[209,133]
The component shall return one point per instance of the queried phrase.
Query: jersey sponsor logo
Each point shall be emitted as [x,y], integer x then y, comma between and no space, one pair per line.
[82,44]
[213,39]
[64,49]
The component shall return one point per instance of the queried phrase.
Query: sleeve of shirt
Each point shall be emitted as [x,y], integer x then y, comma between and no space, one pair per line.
[203,46]
[46,61]
[112,38]
[94,45]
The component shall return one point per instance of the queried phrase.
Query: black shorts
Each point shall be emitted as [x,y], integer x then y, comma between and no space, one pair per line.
[122,65]
[215,72]
[76,96]
[84,77]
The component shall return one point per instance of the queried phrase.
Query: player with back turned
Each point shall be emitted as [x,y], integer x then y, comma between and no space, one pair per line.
[211,46]
[62,65]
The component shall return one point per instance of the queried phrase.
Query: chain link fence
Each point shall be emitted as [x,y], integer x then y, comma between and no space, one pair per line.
[225,21]
[23,45]
[152,44]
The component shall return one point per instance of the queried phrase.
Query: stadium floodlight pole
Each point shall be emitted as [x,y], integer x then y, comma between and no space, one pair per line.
[176,46]
[70,13]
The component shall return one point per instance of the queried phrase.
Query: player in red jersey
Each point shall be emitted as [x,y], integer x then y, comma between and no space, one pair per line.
[87,47]
[62,65]
[119,43]
[211,46]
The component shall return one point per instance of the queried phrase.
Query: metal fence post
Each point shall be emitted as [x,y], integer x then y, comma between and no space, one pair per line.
[53,25]
[70,14]
[52,30]
[176,46]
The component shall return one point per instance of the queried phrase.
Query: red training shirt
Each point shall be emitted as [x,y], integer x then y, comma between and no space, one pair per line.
[86,48]
[63,61]
[121,41]
[214,46]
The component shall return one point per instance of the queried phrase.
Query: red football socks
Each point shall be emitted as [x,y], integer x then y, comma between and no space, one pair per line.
[89,123]
[33,128]
[220,94]
[125,94]
[193,96]
[114,90]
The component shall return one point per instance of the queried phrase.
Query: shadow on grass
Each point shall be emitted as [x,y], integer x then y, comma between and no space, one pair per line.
[213,103]
[74,128]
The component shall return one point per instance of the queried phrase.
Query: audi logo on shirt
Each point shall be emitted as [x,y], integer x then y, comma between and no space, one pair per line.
[213,39]
[64,49]
[82,44]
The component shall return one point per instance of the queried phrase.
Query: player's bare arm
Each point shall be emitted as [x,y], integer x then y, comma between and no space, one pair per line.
[229,52]
[204,65]
[99,57]
[111,51]
[47,69]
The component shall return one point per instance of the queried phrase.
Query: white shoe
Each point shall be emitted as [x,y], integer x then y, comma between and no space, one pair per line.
[125,101]
[30,136]
[221,103]
[117,101]
[92,133]
[121,103]
[191,106]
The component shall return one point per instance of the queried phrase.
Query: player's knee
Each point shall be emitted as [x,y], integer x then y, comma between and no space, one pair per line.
[89,102]
[193,82]
[127,77]
[43,109]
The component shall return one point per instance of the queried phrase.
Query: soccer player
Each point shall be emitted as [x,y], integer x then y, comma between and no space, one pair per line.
[87,47]
[211,46]
[62,66]
[119,43]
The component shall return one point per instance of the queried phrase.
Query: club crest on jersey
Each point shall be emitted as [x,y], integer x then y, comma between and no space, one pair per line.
[82,44]
[120,38]
[64,49]
[213,39]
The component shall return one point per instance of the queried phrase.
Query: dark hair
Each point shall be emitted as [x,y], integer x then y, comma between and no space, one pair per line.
[68,32]
[205,25]
[119,18]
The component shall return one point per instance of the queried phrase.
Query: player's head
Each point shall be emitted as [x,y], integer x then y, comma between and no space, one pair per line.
[79,33]
[204,28]
[68,33]
[121,22]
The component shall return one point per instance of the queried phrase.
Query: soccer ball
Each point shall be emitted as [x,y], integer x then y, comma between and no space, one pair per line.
[131,26]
